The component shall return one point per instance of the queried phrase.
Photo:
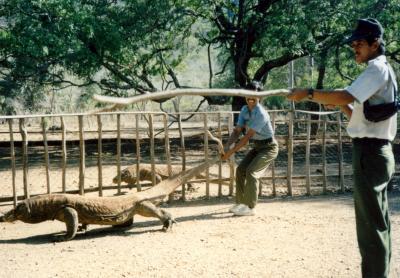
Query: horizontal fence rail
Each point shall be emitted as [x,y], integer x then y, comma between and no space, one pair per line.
[82,153]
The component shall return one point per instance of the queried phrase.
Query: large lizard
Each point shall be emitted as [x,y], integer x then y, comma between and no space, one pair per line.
[117,210]
[129,175]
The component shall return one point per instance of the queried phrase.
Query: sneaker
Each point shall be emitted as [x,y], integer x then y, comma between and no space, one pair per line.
[235,207]
[245,211]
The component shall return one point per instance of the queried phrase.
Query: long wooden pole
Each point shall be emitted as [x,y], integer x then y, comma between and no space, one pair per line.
[189,92]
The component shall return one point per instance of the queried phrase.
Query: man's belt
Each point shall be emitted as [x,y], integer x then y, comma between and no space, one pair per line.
[264,141]
[370,141]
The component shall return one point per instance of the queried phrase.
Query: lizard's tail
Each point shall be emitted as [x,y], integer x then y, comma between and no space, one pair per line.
[166,187]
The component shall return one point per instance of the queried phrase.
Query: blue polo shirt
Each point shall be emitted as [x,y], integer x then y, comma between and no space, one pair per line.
[258,119]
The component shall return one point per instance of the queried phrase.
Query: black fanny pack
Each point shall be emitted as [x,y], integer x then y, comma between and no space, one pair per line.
[381,112]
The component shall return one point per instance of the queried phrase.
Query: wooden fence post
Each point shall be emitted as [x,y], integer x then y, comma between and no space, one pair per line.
[220,161]
[183,152]
[324,171]
[167,151]
[232,158]
[308,170]
[152,152]
[273,162]
[24,135]
[340,152]
[206,155]
[64,154]
[119,153]
[81,156]
[46,154]
[290,153]
[138,185]
[100,154]
[12,154]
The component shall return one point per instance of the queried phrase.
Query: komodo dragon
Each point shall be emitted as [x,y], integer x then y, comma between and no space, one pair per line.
[117,210]
[129,176]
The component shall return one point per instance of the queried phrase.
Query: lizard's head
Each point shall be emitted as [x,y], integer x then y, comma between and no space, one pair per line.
[126,176]
[19,213]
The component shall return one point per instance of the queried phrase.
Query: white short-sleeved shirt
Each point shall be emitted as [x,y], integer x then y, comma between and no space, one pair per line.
[376,84]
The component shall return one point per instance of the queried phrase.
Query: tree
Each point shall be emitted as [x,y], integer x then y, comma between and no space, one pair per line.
[257,36]
[114,45]
[136,46]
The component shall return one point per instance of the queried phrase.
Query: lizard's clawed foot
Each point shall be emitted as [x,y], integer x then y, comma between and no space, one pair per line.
[168,224]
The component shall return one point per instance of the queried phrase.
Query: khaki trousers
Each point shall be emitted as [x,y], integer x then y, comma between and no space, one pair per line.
[250,170]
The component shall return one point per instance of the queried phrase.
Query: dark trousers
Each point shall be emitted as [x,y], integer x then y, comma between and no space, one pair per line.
[373,166]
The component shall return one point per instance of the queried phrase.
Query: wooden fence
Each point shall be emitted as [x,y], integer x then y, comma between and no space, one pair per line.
[151,131]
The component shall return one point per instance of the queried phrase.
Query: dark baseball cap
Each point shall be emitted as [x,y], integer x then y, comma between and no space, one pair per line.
[366,28]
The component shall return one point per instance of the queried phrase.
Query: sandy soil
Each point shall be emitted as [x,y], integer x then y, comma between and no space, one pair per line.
[288,237]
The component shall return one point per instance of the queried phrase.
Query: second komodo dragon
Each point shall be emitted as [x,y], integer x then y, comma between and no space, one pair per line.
[129,175]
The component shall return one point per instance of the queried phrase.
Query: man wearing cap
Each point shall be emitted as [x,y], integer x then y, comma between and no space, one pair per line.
[256,121]
[373,160]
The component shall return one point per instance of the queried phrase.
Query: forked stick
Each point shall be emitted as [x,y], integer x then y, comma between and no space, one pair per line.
[189,92]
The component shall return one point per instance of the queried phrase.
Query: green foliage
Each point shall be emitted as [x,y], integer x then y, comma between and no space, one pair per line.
[116,45]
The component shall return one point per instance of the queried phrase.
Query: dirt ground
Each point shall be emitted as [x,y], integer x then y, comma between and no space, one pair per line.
[288,237]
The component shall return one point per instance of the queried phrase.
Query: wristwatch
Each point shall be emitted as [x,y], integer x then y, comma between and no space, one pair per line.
[310,94]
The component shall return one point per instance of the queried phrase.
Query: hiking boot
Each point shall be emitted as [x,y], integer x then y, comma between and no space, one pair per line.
[235,207]
[244,211]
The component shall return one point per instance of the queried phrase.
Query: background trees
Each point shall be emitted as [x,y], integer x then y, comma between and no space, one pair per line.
[133,46]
